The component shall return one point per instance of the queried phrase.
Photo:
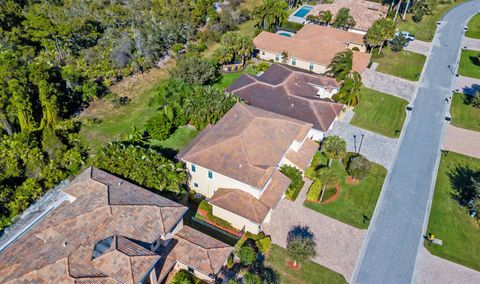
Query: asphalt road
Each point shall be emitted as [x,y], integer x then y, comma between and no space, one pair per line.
[394,239]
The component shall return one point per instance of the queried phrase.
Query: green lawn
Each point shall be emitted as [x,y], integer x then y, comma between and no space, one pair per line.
[474,27]
[178,140]
[464,115]
[403,64]
[227,79]
[354,201]
[448,221]
[380,113]
[309,273]
[425,30]
[470,64]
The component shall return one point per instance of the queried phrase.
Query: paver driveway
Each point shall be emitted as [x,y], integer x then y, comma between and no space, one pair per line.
[463,141]
[419,46]
[388,84]
[338,244]
[467,85]
[471,43]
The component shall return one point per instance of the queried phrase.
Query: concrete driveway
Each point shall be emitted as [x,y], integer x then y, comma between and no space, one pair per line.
[338,244]
[419,46]
[375,147]
[471,43]
[467,85]
[388,84]
[463,141]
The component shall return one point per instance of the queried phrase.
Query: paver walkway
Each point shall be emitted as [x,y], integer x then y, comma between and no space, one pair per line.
[338,244]
[467,85]
[388,84]
[463,141]
[471,43]
[434,269]
[419,46]
[375,147]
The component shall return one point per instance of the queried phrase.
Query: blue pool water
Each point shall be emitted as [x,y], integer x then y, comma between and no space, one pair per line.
[285,34]
[303,11]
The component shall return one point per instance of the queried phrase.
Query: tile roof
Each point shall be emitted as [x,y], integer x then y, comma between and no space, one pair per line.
[197,250]
[314,43]
[305,154]
[289,91]
[246,144]
[64,240]
[246,205]
[363,12]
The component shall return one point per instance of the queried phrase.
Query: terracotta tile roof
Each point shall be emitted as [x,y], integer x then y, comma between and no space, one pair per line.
[314,43]
[289,91]
[246,144]
[305,154]
[105,206]
[246,205]
[197,250]
[363,12]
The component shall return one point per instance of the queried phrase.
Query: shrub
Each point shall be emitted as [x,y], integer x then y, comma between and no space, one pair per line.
[356,49]
[247,255]
[205,206]
[261,66]
[291,26]
[159,126]
[195,70]
[230,261]
[250,278]
[295,175]
[359,167]
[397,43]
[264,244]
[314,191]
[182,277]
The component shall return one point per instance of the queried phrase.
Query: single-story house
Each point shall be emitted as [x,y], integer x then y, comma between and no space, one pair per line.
[110,231]
[235,163]
[312,48]
[292,92]
[363,12]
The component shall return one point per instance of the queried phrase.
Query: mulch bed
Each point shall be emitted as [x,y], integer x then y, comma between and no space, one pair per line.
[331,199]
[292,266]
[351,180]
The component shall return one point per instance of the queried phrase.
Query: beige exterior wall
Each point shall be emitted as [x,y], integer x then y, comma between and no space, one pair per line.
[361,47]
[300,63]
[199,274]
[207,186]
[237,221]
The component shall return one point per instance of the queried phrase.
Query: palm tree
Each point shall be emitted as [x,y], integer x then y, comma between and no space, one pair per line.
[271,14]
[349,92]
[381,30]
[327,177]
[343,19]
[334,148]
[341,65]
[244,48]
[325,17]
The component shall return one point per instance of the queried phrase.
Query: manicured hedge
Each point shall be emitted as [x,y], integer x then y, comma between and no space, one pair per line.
[295,175]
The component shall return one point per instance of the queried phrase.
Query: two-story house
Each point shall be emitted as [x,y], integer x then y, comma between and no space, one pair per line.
[235,163]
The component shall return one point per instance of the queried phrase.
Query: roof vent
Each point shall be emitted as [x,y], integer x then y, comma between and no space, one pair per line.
[65,244]
[120,182]
[240,165]
[292,105]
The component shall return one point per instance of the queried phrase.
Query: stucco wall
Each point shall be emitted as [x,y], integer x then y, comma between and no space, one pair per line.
[199,274]
[237,221]
[207,186]
[300,63]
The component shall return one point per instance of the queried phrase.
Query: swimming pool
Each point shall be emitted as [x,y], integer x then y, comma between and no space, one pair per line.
[285,34]
[303,11]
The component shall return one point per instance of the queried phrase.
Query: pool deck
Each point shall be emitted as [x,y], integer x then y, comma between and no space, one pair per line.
[296,19]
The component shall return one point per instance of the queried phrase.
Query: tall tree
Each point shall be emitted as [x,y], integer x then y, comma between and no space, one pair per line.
[380,31]
[327,177]
[343,19]
[341,65]
[334,148]
[301,244]
[271,14]
[349,92]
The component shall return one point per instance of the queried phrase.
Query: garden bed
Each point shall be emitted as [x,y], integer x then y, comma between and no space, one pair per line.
[204,213]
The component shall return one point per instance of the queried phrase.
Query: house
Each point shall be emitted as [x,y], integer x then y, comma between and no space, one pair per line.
[110,231]
[292,92]
[312,48]
[235,163]
[364,12]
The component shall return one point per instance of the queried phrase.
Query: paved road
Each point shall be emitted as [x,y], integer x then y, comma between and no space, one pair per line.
[394,240]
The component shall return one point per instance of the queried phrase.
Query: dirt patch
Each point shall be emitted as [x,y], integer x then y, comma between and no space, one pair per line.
[350,180]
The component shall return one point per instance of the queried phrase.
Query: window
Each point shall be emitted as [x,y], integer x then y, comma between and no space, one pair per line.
[263,52]
[294,61]
[194,168]
[277,57]
[210,174]
[190,269]
[311,66]
[195,184]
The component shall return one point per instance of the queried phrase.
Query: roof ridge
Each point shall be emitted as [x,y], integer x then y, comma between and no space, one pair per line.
[317,115]
[248,85]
